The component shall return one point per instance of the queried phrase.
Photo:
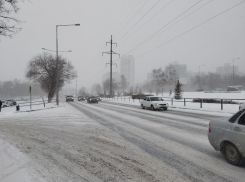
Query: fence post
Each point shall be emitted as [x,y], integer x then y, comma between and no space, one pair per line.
[201,103]
[184,101]
[221,104]
[172,101]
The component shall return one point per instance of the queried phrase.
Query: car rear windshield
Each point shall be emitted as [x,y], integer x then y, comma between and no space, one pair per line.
[235,116]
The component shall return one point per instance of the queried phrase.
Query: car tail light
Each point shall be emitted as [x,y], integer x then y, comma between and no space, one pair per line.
[239,107]
[209,128]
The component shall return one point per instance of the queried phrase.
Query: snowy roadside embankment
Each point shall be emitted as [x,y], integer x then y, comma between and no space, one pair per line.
[192,106]
[25,107]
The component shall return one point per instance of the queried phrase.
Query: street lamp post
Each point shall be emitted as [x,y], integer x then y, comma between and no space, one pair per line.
[57,65]
[233,70]
[200,75]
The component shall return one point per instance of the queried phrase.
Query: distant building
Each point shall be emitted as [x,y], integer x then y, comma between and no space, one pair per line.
[127,69]
[181,70]
[227,69]
[115,75]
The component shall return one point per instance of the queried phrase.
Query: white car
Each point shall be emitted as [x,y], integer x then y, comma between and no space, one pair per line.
[154,102]
[228,136]
[242,106]
[5,104]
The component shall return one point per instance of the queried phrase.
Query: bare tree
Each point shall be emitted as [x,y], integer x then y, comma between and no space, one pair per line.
[160,79]
[106,85]
[172,77]
[8,23]
[123,83]
[42,69]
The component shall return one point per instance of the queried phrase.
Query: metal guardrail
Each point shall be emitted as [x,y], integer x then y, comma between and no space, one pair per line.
[184,100]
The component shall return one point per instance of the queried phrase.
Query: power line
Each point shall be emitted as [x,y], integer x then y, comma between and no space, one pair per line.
[181,19]
[133,16]
[147,20]
[162,28]
[127,17]
[192,28]
[94,62]
[141,18]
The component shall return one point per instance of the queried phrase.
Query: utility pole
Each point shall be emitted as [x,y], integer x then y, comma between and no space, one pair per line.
[111,52]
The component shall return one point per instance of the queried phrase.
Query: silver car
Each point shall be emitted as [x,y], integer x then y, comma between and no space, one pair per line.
[228,136]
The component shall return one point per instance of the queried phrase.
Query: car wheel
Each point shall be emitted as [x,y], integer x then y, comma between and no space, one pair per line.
[232,154]
[152,108]
[4,106]
[142,106]
[165,109]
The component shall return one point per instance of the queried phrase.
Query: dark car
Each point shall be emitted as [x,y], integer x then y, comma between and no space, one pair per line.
[69,98]
[81,98]
[93,100]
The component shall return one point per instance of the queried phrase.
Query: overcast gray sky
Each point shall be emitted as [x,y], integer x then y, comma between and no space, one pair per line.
[172,27]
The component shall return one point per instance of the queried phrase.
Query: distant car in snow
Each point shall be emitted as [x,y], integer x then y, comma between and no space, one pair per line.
[154,103]
[228,136]
[5,104]
[81,98]
[92,100]
[69,98]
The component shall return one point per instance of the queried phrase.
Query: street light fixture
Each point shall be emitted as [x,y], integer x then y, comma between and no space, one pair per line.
[57,65]
[233,69]
[200,75]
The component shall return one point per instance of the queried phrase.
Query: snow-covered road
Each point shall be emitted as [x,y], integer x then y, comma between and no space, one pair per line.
[107,142]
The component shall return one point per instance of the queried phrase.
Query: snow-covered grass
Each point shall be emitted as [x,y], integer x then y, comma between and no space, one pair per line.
[189,105]
[24,107]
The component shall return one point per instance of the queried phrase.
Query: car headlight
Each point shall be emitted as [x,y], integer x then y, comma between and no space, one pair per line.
[156,104]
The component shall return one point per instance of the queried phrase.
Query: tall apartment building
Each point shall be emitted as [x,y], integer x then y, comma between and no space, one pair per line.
[181,70]
[127,69]
[227,69]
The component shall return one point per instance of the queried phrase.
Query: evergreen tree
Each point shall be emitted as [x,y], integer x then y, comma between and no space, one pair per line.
[178,91]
